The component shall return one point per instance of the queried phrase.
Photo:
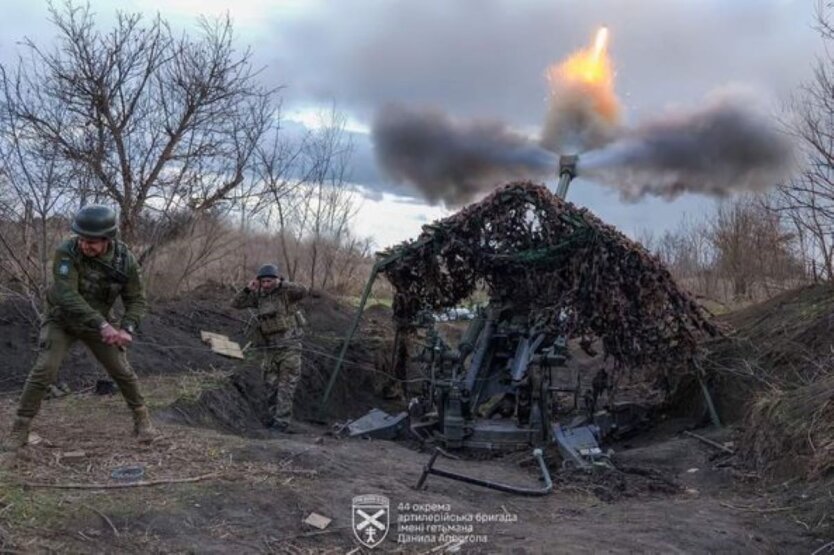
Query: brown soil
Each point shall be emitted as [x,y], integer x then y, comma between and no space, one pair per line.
[169,343]
[261,490]
[669,492]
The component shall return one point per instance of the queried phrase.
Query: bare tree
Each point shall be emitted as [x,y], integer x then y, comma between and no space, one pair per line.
[740,252]
[34,190]
[175,130]
[159,120]
[351,264]
[753,252]
[331,204]
[190,260]
[688,253]
[283,170]
[311,199]
[806,203]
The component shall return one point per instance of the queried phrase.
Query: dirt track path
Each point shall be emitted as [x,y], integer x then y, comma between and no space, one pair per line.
[265,488]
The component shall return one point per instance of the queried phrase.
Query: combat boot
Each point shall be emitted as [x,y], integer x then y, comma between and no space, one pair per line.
[19,435]
[143,429]
[281,424]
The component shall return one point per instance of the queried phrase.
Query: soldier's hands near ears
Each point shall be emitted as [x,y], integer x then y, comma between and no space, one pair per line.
[253,284]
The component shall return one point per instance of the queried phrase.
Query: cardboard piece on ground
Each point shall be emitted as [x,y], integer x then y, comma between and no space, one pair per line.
[222,345]
[318,521]
[207,336]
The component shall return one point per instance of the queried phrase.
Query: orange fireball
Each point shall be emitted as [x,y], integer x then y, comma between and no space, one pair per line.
[589,69]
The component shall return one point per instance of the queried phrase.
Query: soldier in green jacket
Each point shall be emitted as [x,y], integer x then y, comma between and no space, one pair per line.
[89,272]
[278,334]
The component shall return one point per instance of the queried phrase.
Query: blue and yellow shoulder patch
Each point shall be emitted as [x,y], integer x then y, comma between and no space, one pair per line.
[64,267]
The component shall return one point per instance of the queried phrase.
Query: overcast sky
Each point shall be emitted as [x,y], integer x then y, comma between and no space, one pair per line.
[486,58]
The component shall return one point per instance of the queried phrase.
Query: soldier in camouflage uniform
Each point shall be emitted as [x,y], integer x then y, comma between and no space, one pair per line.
[278,334]
[89,272]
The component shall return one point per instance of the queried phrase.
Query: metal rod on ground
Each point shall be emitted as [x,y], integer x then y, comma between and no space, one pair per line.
[709,442]
[713,414]
[532,492]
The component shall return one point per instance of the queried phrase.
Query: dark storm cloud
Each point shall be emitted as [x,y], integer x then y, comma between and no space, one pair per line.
[487,58]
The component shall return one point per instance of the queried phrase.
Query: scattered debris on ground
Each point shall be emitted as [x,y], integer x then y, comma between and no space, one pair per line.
[207,491]
[774,378]
[222,345]
[218,480]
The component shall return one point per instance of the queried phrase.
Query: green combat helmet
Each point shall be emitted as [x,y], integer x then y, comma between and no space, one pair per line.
[95,220]
[268,270]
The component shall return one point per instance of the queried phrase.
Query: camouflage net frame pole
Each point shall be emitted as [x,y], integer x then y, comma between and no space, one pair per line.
[351,331]
[380,266]
[579,278]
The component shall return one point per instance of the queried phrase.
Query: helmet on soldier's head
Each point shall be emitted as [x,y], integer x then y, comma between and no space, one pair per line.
[96,220]
[268,270]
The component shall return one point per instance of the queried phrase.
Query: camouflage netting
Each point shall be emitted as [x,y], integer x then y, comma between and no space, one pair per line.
[526,245]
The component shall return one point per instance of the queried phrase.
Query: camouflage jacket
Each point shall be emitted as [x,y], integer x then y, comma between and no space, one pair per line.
[275,310]
[84,289]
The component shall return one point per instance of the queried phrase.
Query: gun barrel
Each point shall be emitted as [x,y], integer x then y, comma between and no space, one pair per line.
[567,171]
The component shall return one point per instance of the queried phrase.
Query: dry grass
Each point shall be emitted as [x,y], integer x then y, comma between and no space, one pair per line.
[216,251]
[45,519]
[190,386]
[791,433]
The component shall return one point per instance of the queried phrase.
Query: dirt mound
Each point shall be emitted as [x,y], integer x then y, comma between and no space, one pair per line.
[788,337]
[774,374]
[239,406]
[793,431]
[169,342]
[778,345]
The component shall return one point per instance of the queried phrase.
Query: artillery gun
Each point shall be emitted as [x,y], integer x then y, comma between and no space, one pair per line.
[498,388]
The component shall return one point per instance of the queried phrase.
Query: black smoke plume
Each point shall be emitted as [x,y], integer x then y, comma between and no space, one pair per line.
[725,147]
[453,161]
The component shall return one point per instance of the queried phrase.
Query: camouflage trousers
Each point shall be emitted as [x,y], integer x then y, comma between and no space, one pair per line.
[54,343]
[282,372]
